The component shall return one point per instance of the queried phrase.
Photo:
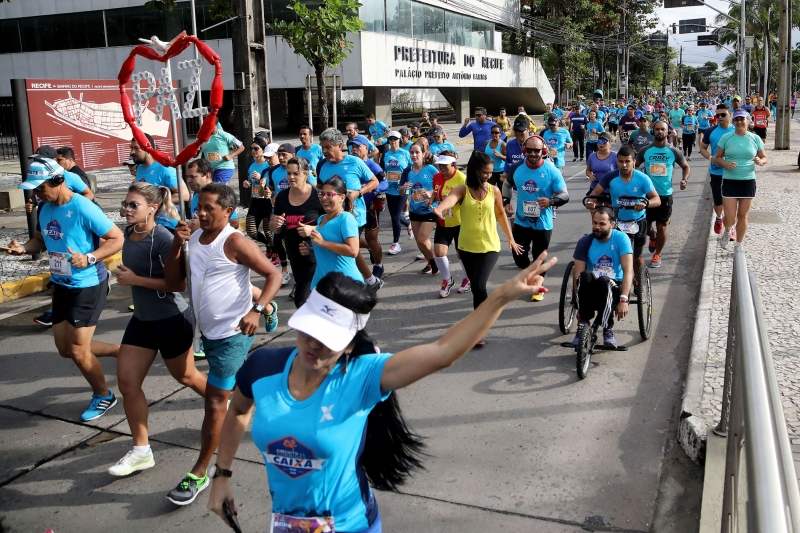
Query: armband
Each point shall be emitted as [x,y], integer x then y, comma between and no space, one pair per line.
[623,298]
[506,201]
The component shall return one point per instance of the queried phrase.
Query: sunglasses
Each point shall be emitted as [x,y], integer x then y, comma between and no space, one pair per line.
[478,114]
[602,141]
[255,148]
[130,205]
[495,133]
[328,194]
[721,115]
[533,150]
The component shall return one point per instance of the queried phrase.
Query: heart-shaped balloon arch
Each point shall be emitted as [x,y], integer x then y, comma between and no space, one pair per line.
[178,45]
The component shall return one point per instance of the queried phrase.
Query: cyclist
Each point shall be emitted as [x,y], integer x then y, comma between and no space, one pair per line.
[603,274]
[659,160]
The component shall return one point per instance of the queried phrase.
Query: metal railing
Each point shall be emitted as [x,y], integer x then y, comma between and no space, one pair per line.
[764,498]
[9,148]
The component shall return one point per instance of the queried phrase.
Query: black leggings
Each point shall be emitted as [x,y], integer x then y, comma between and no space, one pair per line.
[533,241]
[478,267]
[303,272]
[279,247]
[578,142]
[590,149]
[688,141]
[260,210]
[396,204]
[597,295]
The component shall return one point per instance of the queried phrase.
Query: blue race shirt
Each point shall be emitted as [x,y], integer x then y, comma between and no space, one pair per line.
[276,179]
[313,155]
[514,154]
[77,225]
[337,230]
[711,138]
[254,167]
[659,164]
[532,184]
[74,182]
[612,115]
[435,148]
[690,124]
[556,144]
[593,129]
[355,173]
[480,133]
[394,163]
[638,187]
[604,258]
[378,130]
[159,175]
[313,448]
[421,181]
[703,118]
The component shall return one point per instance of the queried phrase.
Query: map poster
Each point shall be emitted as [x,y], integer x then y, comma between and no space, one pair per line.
[86,115]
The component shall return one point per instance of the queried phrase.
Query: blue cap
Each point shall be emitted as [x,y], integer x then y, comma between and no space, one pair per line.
[359,140]
[41,170]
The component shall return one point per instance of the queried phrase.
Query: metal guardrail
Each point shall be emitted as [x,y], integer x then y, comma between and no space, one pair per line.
[9,148]
[764,498]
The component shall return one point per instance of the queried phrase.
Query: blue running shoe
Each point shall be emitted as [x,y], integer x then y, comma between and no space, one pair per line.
[271,320]
[377,271]
[98,406]
[577,340]
[609,340]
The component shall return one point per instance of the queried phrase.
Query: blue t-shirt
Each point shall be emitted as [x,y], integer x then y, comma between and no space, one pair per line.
[254,167]
[276,179]
[77,225]
[421,181]
[313,155]
[690,124]
[612,115]
[337,230]
[435,148]
[193,209]
[601,167]
[159,175]
[639,186]
[313,448]
[355,173]
[74,182]
[556,144]
[532,184]
[711,138]
[593,129]
[378,130]
[604,258]
[703,118]
[480,133]
[514,154]
[741,149]
[659,164]
[394,163]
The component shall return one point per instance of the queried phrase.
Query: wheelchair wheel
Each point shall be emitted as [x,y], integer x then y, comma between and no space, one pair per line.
[644,303]
[566,307]
[584,351]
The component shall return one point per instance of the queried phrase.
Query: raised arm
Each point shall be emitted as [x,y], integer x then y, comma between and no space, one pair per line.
[455,196]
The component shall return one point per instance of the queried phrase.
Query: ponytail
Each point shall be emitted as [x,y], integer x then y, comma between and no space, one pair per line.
[165,205]
[161,196]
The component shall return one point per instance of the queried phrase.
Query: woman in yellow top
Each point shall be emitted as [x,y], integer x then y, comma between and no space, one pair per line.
[447,229]
[481,208]
[503,121]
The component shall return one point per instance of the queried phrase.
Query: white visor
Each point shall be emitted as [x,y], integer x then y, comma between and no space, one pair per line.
[330,323]
[445,160]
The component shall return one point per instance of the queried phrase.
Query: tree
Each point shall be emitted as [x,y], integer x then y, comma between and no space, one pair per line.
[320,37]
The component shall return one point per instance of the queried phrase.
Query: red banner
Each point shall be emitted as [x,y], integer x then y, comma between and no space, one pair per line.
[86,115]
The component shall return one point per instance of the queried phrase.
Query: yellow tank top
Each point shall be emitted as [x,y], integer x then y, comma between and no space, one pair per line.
[453,218]
[478,224]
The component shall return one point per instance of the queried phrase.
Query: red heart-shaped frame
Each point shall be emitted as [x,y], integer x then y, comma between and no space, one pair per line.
[178,45]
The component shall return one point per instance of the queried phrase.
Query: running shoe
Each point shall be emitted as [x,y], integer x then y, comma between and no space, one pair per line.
[132,462]
[718,226]
[465,286]
[577,340]
[188,489]
[420,257]
[410,233]
[537,297]
[447,284]
[724,240]
[427,269]
[375,287]
[378,271]
[481,343]
[292,292]
[286,277]
[276,260]
[45,319]
[271,320]
[395,249]
[609,340]
[581,159]
[434,267]
[574,159]
[733,234]
[201,351]
[655,262]
[688,158]
[98,406]
[130,308]
[651,246]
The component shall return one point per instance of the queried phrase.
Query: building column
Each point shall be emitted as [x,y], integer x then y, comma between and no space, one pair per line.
[460,103]
[296,110]
[378,100]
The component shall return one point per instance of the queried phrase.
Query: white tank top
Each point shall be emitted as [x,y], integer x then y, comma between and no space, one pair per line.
[226,296]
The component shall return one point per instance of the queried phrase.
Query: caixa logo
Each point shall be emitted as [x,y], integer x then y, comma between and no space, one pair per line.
[292,457]
[53,230]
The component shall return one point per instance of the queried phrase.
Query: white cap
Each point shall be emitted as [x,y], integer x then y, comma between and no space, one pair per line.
[271,149]
[330,323]
[445,160]
[395,134]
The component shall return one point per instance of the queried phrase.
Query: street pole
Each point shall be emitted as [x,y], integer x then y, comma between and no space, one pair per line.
[782,122]
[766,58]
[22,124]
[666,63]
[199,94]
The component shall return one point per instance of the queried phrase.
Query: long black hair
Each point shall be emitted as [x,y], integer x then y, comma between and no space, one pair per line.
[392,450]
[477,162]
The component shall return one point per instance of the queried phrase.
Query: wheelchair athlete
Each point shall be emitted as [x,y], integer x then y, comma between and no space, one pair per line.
[603,274]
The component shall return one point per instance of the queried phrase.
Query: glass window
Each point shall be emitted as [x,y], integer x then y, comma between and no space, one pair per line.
[277,10]
[433,29]
[10,43]
[398,17]
[454,27]
[371,12]
[479,33]
[418,20]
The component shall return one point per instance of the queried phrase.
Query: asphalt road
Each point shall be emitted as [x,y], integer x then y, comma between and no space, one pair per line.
[516,441]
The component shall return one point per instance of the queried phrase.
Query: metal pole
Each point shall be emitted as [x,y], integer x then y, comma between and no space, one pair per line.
[199,94]
[266,73]
[742,21]
[335,117]
[310,115]
[782,129]
[22,124]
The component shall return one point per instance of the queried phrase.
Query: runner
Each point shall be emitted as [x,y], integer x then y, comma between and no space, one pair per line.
[481,129]
[155,173]
[394,162]
[199,173]
[220,260]
[514,148]
[339,375]
[600,163]
[613,120]
[161,320]
[627,124]
[405,139]
[640,138]
[658,161]
[414,128]
[676,115]
[704,119]
[439,144]
[690,125]
[593,128]
[310,151]
[540,188]
[220,150]
[425,124]
[417,184]
[447,228]
[505,122]
[761,119]
[377,132]
[351,129]
[558,141]
[69,228]
[496,149]
[66,158]
[260,205]
[277,183]
[577,125]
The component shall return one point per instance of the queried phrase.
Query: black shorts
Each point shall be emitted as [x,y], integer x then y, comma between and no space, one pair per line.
[382,148]
[612,128]
[373,221]
[80,307]
[761,132]
[716,188]
[738,188]
[495,179]
[662,213]
[639,238]
[430,217]
[171,336]
[444,235]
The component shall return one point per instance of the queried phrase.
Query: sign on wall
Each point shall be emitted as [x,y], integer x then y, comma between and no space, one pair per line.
[86,116]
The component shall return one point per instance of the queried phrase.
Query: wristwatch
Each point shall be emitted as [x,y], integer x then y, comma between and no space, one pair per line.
[216,471]
[258,308]
[91,259]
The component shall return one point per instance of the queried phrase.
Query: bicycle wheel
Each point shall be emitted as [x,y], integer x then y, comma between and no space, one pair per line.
[566,307]
[644,304]
[584,351]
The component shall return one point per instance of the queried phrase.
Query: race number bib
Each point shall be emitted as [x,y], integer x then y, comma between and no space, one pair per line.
[631,227]
[258,191]
[447,213]
[59,263]
[213,156]
[593,136]
[689,128]
[419,195]
[393,177]
[531,209]
[604,267]
[761,123]
[282,523]
[658,169]
[553,153]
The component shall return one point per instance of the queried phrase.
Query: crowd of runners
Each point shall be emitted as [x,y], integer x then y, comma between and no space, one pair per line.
[314,207]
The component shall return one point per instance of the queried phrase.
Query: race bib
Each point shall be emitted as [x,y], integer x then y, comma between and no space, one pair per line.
[419,195]
[761,123]
[593,136]
[630,227]
[393,177]
[689,127]
[658,169]
[604,267]
[213,156]
[282,523]
[553,152]
[59,263]
[531,209]
[258,191]
[447,213]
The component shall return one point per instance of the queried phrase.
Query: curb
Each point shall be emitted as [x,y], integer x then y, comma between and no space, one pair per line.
[14,290]
[693,430]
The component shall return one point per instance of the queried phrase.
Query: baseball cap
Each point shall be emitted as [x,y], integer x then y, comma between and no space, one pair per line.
[47,152]
[328,322]
[643,118]
[414,124]
[360,140]
[552,121]
[287,148]
[41,170]
[433,116]
[436,131]
[737,97]
[394,134]
[741,113]
[271,149]
[522,123]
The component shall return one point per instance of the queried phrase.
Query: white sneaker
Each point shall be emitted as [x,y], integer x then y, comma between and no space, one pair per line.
[286,277]
[724,240]
[132,462]
[395,249]
[410,234]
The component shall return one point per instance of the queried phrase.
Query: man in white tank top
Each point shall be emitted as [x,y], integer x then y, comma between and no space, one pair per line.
[220,261]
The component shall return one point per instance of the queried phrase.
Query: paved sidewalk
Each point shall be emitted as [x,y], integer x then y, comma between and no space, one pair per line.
[772,249]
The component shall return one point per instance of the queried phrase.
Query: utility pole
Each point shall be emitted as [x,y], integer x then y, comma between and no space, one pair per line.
[766,57]
[782,141]
[680,68]
[666,65]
